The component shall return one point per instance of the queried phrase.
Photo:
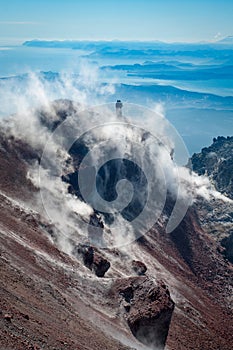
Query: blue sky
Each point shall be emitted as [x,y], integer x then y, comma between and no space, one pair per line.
[166,20]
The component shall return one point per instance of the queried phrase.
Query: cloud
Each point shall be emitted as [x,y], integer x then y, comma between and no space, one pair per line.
[217,36]
[149,146]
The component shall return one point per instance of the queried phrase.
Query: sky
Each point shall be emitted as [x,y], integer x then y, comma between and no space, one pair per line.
[165,20]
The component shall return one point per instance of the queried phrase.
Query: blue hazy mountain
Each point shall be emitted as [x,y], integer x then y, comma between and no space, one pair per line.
[139,49]
[176,71]
[81,44]
[193,82]
[227,40]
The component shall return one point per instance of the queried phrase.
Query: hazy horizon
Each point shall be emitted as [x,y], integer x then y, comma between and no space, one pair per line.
[170,21]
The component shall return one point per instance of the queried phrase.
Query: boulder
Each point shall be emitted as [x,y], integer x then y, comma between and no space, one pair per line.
[100,265]
[92,259]
[8,317]
[149,309]
[139,267]
[86,252]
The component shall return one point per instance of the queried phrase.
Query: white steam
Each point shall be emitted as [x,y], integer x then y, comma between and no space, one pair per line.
[143,128]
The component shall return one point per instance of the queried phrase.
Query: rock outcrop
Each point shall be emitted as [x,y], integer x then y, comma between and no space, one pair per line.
[100,265]
[50,300]
[86,252]
[148,309]
[139,267]
[92,259]
[216,161]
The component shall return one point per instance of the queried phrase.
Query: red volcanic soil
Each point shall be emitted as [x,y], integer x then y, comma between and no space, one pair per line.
[50,300]
[203,317]
[37,311]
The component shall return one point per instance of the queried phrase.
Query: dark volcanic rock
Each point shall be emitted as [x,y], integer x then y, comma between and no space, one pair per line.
[127,293]
[58,112]
[100,265]
[216,161]
[150,311]
[86,252]
[227,243]
[139,267]
[92,259]
[14,156]
[150,317]
[8,317]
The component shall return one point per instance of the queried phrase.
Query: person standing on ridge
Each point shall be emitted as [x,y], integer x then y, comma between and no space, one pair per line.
[119,106]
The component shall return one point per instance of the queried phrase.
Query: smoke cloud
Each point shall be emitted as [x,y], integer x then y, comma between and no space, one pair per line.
[141,136]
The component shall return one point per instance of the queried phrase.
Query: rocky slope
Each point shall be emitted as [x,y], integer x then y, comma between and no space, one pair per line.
[173,288]
[216,161]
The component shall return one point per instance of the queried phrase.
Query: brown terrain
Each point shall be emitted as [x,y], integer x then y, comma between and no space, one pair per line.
[164,288]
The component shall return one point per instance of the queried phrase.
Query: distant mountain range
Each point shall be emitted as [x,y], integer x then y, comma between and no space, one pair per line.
[226,40]
[163,70]
[88,44]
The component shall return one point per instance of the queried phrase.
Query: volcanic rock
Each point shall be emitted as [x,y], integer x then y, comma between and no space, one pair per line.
[8,317]
[92,259]
[217,162]
[139,267]
[100,265]
[227,244]
[59,111]
[41,280]
[150,311]
[86,252]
